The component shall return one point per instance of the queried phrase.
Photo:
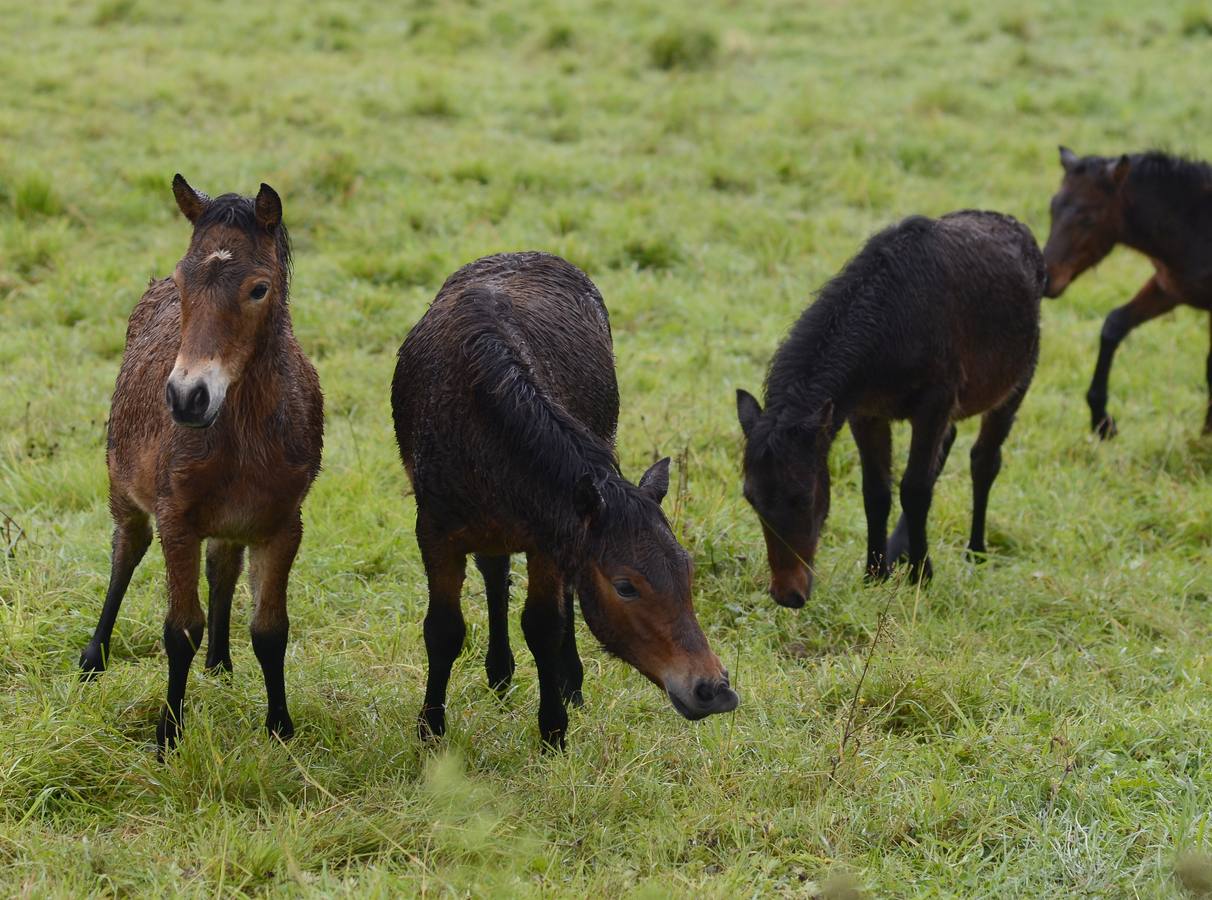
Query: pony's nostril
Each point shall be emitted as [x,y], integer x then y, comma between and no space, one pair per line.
[705,691]
[199,400]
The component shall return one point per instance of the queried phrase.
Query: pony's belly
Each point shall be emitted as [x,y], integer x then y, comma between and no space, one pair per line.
[492,538]
[988,388]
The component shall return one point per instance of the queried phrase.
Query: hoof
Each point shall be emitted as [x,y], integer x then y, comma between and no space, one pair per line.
[280,727]
[220,668]
[500,674]
[167,734]
[1106,428]
[92,662]
[976,555]
[431,724]
[573,697]
[553,741]
[877,574]
[921,572]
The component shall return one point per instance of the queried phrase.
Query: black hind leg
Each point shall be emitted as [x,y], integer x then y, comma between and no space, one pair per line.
[874,439]
[543,623]
[573,672]
[498,661]
[132,537]
[987,462]
[223,564]
[898,544]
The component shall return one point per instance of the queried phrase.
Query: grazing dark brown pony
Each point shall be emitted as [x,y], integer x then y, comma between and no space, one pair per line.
[215,430]
[1158,205]
[505,406]
[933,321]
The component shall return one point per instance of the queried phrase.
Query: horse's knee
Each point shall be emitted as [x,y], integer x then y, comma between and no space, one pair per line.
[1117,325]
[916,496]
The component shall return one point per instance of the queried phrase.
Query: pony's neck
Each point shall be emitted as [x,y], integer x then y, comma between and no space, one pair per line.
[798,396]
[1148,225]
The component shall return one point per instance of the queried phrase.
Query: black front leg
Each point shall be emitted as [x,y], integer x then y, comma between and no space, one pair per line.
[874,439]
[898,544]
[573,675]
[270,628]
[1150,302]
[183,625]
[543,624]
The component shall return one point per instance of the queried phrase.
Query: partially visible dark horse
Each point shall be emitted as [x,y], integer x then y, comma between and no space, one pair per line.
[933,321]
[216,430]
[1157,204]
[505,406]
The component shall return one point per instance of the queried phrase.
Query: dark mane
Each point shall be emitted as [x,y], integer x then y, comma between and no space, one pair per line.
[235,211]
[553,446]
[832,336]
[1177,181]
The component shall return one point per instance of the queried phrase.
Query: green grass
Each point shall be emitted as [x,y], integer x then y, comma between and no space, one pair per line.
[1034,727]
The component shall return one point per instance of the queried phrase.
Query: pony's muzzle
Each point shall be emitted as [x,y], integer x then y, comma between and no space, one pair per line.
[708,697]
[195,401]
[792,592]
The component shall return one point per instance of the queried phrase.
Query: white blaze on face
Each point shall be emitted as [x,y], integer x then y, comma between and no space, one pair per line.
[221,255]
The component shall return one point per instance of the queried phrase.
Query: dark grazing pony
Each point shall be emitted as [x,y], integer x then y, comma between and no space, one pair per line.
[1158,205]
[216,430]
[933,321]
[505,406]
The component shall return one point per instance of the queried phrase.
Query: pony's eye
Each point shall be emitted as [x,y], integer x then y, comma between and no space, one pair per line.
[259,292]
[625,589]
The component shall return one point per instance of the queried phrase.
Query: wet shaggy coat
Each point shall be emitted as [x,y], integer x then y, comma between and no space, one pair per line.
[932,321]
[1159,205]
[505,405]
[527,403]
[239,482]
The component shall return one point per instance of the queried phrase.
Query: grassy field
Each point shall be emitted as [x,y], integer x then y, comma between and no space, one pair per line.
[1034,727]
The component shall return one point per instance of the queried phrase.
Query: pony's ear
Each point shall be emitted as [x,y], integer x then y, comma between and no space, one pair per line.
[1068,158]
[1118,169]
[748,410]
[268,208]
[586,497]
[655,482]
[190,202]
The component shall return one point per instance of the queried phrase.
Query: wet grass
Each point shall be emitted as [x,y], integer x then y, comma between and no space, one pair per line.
[1034,726]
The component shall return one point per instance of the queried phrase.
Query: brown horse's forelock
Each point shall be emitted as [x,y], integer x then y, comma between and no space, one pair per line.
[234,211]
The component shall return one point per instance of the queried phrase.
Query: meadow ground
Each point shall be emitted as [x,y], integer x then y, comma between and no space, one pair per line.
[1036,726]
